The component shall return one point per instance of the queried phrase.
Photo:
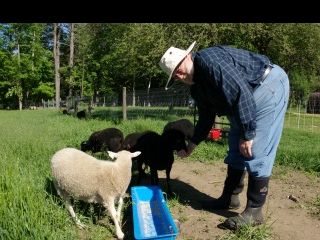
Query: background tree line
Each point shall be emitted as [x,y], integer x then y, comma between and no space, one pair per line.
[43,61]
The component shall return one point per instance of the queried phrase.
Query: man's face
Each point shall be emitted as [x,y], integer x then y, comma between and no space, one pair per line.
[184,72]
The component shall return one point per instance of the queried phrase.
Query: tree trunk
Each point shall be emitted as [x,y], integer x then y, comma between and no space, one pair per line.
[71,57]
[56,53]
[33,47]
[82,79]
[134,94]
[19,87]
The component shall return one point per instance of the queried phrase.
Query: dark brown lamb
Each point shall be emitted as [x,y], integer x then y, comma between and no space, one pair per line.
[183,125]
[157,153]
[107,139]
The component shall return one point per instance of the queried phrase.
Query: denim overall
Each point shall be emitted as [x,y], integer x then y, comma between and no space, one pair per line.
[271,98]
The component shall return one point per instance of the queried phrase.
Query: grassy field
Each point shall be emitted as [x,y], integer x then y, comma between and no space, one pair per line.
[29,208]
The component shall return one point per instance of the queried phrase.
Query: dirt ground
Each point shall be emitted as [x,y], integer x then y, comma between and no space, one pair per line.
[289,219]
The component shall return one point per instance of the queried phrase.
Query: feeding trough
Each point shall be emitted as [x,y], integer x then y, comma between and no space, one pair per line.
[151,216]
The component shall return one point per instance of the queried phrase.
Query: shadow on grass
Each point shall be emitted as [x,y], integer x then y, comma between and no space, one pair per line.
[52,192]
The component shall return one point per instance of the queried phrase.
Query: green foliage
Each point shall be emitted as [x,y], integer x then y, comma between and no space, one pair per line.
[255,37]
[44,91]
[108,57]
[301,83]
[15,90]
[26,61]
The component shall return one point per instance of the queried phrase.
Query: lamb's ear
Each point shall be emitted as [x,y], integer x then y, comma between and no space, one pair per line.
[112,154]
[136,154]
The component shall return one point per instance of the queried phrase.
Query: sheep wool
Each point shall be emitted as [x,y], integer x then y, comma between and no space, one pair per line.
[86,178]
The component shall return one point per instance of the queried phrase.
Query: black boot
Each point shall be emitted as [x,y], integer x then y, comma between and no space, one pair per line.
[256,197]
[229,199]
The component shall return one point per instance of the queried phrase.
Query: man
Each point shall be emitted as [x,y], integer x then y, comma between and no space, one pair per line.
[253,93]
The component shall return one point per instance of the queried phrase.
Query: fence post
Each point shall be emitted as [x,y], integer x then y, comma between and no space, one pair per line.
[133,97]
[217,122]
[299,114]
[289,114]
[124,103]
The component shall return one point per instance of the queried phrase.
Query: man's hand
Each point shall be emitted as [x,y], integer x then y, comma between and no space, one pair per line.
[245,147]
[182,153]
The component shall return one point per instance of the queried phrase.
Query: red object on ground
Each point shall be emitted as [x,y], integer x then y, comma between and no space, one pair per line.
[215,133]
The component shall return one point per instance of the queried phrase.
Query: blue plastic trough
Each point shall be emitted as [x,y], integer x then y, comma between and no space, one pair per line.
[151,216]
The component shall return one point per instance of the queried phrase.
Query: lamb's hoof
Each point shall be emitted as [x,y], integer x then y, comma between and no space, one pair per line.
[144,175]
[80,225]
[120,235]
[178,225]
[171,194]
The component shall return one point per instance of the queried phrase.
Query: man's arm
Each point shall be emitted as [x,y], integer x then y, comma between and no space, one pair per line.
[204,124]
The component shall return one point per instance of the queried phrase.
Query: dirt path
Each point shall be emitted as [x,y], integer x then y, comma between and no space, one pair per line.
[290,220]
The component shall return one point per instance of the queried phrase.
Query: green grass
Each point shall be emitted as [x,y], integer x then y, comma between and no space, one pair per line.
[29,208]
[263,232]
[299,149]
[303,121]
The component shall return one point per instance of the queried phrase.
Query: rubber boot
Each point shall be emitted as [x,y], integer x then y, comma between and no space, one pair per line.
[256,197]
[229,198]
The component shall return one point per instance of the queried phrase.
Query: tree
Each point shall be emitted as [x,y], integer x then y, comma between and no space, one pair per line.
[71,82]
[56,53]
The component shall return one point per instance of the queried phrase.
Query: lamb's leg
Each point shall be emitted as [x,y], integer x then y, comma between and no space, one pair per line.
[63,194]
[141,172]
[112,211]
[120,204]
[154,176]
[72,213]
[168,181]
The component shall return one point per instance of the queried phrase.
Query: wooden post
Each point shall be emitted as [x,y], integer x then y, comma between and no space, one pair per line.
[124,103]
[217,122]
[133,95]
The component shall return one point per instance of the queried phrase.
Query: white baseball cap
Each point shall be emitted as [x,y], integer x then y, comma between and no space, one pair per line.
[171,59]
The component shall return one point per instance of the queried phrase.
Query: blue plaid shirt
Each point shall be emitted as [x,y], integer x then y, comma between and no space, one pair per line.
[225,78]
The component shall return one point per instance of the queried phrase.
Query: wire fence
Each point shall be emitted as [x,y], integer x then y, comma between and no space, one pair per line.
[298,117]
[177,102]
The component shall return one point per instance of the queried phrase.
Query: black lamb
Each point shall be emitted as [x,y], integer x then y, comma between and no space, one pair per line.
[129,143]
[131,140]
[107,139]
[157,153]
[183,125]
[81,114]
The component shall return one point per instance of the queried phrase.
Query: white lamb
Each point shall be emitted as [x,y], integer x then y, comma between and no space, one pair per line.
[86,178]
